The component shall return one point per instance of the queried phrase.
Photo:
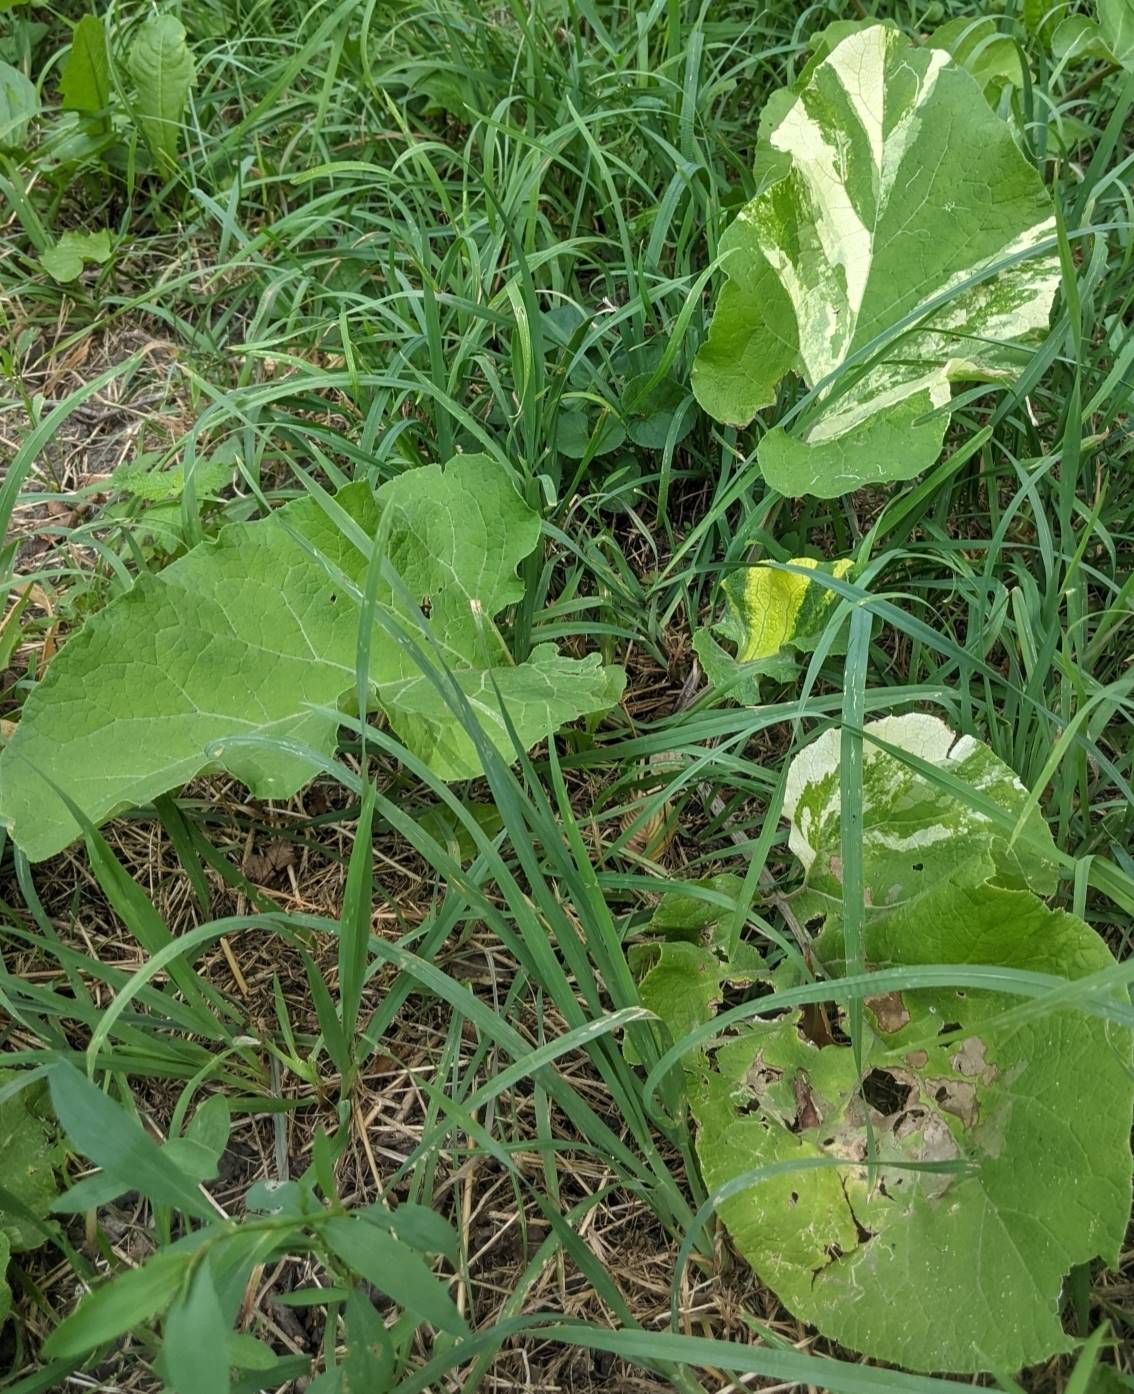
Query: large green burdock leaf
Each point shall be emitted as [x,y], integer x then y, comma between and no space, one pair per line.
[1022,1125]
[934,1270]
[917,826]
[256,635]
[890,195]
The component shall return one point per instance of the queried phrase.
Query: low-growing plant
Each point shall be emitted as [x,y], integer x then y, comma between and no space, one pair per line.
[112,83]
[903,1075]
[771,616]
[196,1284]
[238,655]
[956,1145]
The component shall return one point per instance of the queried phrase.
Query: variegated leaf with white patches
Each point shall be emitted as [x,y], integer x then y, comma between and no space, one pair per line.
[769,615]
[916,829]
[890,252]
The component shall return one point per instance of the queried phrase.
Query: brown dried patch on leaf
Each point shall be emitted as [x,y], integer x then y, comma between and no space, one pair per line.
[955,1096]
[806,1112]
[971,1061]
[761,1076]
[926,1137]
[889,1011]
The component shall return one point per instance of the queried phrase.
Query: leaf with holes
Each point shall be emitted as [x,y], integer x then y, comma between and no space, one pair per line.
[1001,1149]
[240,653]
[880,261]
[684,976]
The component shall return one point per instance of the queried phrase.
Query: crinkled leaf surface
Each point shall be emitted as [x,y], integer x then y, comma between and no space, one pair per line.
[142,478]
[769,616]
[916,829]
[682,985]
[162,68]
[873,204]
[695,915]
[255,635]
[684,976]
[955,1270]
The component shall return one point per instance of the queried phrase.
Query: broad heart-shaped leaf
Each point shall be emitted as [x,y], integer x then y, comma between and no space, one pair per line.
[886,186]
[917,828]
[770,615]
[961,1269]
[256,635]
[162,68]
[85,80]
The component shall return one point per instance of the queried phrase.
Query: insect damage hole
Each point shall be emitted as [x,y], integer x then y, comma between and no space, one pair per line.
[883,1092]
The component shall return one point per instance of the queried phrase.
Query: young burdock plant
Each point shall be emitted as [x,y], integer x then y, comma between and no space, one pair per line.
[432,1051]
